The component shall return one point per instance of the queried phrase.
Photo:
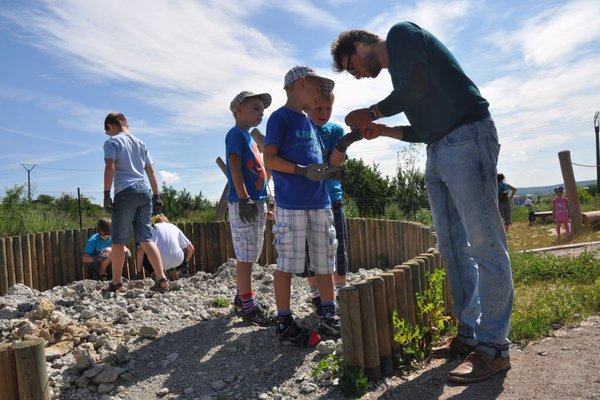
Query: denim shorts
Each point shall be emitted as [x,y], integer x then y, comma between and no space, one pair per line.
[293,228]
[132,206]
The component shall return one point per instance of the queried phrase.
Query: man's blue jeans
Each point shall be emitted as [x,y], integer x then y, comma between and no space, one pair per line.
[461,182]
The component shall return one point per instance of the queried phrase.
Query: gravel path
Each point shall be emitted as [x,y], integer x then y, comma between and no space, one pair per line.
[143,345]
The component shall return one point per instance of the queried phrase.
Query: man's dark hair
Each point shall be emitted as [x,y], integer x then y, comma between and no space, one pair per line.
[117,119]
[344,45]
[500,177]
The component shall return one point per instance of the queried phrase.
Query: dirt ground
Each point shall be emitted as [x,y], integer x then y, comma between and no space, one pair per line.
[563,366]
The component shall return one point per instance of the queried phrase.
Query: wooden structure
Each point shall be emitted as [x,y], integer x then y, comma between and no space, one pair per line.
[44,260]
[544,216]
[566,168]
[24,372]
[366,311]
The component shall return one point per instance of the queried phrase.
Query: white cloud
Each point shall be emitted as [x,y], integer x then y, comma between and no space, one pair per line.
[169,177]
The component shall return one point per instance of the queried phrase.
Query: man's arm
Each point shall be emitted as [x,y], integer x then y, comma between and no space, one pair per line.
[276,163]
[109,173]
[190,251]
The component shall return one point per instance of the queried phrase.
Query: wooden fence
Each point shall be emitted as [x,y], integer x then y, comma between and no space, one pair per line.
[44,260]
[367,307]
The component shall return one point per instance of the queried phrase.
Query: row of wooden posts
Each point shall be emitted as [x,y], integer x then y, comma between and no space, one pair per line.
[366,311]
[44,260]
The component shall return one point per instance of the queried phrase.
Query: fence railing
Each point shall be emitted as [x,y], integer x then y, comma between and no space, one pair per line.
[44,260]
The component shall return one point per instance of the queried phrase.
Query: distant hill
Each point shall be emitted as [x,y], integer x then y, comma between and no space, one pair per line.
[548,190]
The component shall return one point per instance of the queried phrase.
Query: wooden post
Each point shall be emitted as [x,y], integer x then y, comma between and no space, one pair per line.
[48,261]
[32,374]
[34,268]
[58,277]
[222,206]
[26,260]
[196,242]
[416,287]
[352,336]
[391,298]
[401,302]
[10,261]
[383,329]
[204,246]
[408,290]
[18,256]
[571,186]
[222,227]
[369,326]
[3,270]
[8,374]
[362,233]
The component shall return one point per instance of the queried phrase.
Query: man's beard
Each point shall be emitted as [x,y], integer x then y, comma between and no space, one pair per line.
[372,65]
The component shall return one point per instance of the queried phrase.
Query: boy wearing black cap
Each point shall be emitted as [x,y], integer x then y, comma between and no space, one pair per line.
[293,152]
[246,200]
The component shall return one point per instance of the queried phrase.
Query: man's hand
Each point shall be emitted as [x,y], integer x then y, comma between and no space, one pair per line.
[108,203]
[345,141]
[248,211]
[157,204]
[358,118]
[372,131]
[320,172]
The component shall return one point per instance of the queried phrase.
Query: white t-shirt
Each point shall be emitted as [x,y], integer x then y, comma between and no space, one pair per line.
[170,242]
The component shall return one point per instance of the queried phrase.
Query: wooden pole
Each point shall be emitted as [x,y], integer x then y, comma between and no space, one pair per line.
[416,287]
[408,290]
[222,206]
[566,168]
[18,255]
[31,370]
[352,336]
[10,261]
[383,329]
[369,326]
[48,265]
[3,270]
[8,376]
[391,298]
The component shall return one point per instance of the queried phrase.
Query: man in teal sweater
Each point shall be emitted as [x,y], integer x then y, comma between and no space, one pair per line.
[447,112]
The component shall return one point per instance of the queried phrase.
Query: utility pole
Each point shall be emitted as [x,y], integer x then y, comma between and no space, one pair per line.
[29,167]
[597,128]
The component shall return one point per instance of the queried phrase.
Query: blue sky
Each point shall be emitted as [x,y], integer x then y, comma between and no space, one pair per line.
[173,66]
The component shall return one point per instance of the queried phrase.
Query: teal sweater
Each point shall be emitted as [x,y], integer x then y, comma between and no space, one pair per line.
[451,100]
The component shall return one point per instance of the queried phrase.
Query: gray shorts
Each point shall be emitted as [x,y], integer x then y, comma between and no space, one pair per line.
[292,230]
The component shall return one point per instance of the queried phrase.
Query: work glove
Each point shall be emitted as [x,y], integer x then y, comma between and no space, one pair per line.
[157,204]
[248,210]
[345,141]
[108,203]
[320,172]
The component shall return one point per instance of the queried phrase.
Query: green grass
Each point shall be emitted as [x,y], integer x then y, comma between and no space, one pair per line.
[552,290]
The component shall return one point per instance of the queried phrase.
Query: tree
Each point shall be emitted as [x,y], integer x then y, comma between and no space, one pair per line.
[408,186]
[366,187]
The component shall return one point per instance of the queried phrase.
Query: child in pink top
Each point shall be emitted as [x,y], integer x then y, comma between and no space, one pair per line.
[560,210]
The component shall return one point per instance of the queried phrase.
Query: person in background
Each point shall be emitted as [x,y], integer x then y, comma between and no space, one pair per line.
[447,112]
[97,250]
[126,159]
[175,249]
[530,210]
[560,211]
[504,201]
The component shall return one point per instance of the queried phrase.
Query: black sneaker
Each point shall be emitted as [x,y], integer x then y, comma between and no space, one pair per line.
[295,335]
[237,304]
[330,326]
[259,315]
[317,308]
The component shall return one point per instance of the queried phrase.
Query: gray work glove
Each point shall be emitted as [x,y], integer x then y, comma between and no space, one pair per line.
[157,204]
[345,141]
[248,210]
[108,203]
[320,172]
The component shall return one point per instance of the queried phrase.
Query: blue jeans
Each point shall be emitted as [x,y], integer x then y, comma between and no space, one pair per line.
[461,183]
[132,206]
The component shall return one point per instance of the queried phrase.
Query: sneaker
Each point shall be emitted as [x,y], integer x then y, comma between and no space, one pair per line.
[477,367]
[237,304]
[451,347]
[330,326]
[259,315]
[295,335]
[317,308]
